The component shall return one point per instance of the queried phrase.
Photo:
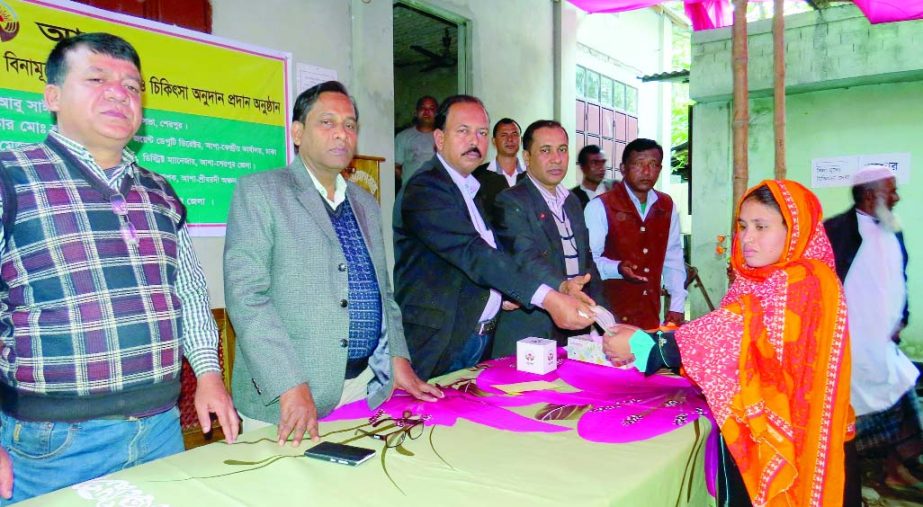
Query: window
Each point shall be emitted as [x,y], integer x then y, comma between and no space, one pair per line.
[607,114]
[592,86]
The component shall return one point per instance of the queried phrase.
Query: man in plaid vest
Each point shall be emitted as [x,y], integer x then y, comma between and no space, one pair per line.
[101,293]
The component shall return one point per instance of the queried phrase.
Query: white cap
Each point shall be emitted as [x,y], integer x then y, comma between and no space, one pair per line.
[870,173]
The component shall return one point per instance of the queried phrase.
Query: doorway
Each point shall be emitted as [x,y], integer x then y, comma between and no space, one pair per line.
[430,56]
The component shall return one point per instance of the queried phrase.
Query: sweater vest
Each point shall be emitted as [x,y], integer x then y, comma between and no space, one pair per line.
[364,295]
[638,242]
[90,323]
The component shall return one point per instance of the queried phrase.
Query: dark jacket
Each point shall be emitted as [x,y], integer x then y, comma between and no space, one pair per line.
[491,185]
[444,269]
[526,228]
[581,196]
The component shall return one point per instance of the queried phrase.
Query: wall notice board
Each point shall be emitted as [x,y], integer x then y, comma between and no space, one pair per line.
[214,109]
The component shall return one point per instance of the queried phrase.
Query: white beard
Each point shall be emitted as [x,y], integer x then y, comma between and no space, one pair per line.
[887,219]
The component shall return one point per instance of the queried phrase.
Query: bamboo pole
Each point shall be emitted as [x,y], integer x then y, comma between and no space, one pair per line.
[741,103]
[778,52]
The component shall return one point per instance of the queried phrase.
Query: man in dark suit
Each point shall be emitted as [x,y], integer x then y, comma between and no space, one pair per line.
[541,223]
[592,162]
[448,274]
[504,171]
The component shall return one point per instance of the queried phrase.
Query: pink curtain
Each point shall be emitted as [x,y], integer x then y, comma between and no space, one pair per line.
[708,14]
[704,14]
[886,11]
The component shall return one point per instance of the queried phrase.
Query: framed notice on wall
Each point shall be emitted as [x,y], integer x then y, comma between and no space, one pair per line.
[214,109]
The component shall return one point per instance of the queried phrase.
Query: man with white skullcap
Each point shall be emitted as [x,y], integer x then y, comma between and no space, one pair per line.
[871,261]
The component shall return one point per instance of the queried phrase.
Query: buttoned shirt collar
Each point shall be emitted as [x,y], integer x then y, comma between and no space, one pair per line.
[554,200]
[339,188]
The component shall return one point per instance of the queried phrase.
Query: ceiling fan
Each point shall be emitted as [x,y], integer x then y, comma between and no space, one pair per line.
[437,60]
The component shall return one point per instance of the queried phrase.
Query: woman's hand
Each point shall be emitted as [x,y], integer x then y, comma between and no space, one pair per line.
[616,346]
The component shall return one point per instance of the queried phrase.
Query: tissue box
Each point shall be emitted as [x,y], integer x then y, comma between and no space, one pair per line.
[589,349]
[536,355]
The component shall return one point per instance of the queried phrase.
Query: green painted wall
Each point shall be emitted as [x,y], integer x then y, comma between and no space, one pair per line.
[843,110]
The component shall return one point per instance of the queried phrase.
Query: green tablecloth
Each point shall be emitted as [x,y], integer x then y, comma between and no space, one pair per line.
[466,464]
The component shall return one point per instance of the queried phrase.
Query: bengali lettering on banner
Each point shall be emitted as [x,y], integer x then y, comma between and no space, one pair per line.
[214,109]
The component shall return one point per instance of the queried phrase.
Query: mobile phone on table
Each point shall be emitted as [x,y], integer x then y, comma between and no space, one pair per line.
[340,453]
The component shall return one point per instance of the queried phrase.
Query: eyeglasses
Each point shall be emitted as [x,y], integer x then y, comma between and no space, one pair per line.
[120,208]
[407,426]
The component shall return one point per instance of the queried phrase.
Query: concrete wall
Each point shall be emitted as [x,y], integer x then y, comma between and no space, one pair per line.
[853,89]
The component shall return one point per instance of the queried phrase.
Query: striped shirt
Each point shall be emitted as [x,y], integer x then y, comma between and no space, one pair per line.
[555,202]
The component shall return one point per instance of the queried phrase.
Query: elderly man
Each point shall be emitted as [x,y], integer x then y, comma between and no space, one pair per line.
[592,162]
[102,292]
[871,260]
[448,272]
[306,282]
[541,223]
[635,238]
[413,146]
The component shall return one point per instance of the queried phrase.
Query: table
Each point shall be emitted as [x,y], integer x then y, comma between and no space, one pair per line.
[464,464]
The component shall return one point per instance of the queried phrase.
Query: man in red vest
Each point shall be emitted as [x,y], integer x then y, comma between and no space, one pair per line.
[635,239]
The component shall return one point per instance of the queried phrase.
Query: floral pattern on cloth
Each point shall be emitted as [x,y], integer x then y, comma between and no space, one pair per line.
[610,405]
[115,493]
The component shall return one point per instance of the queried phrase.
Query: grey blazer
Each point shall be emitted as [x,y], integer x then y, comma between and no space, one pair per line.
[284,280]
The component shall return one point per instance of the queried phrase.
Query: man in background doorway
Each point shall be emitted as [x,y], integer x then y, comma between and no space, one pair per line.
[414,146]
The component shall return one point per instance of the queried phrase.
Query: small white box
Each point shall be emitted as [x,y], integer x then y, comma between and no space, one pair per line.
[536,355]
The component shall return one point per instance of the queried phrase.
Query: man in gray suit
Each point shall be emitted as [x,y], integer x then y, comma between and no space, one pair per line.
[306,282]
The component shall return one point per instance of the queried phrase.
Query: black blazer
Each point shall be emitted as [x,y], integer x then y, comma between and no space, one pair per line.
[443,270]
[581,195]
[491,185]
[525,227]
[843,232]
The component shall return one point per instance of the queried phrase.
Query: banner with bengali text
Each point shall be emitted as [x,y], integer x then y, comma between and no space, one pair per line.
[214,109]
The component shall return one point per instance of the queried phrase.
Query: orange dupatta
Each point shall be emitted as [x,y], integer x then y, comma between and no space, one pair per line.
[774,365]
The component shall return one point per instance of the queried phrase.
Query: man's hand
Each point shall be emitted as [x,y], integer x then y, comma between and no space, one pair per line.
[568,312]
[674,318]
[405,378]
[6,474]
[616,345]
[297,415]
[574,288]
[630,272]
[509,306]
[212,398]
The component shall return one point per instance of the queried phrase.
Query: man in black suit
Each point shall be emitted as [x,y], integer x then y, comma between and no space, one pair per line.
[541,223]
[592,162]
[504,171]
[448,274]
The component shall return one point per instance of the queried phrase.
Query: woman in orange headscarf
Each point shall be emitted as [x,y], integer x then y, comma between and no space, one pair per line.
[773,361]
